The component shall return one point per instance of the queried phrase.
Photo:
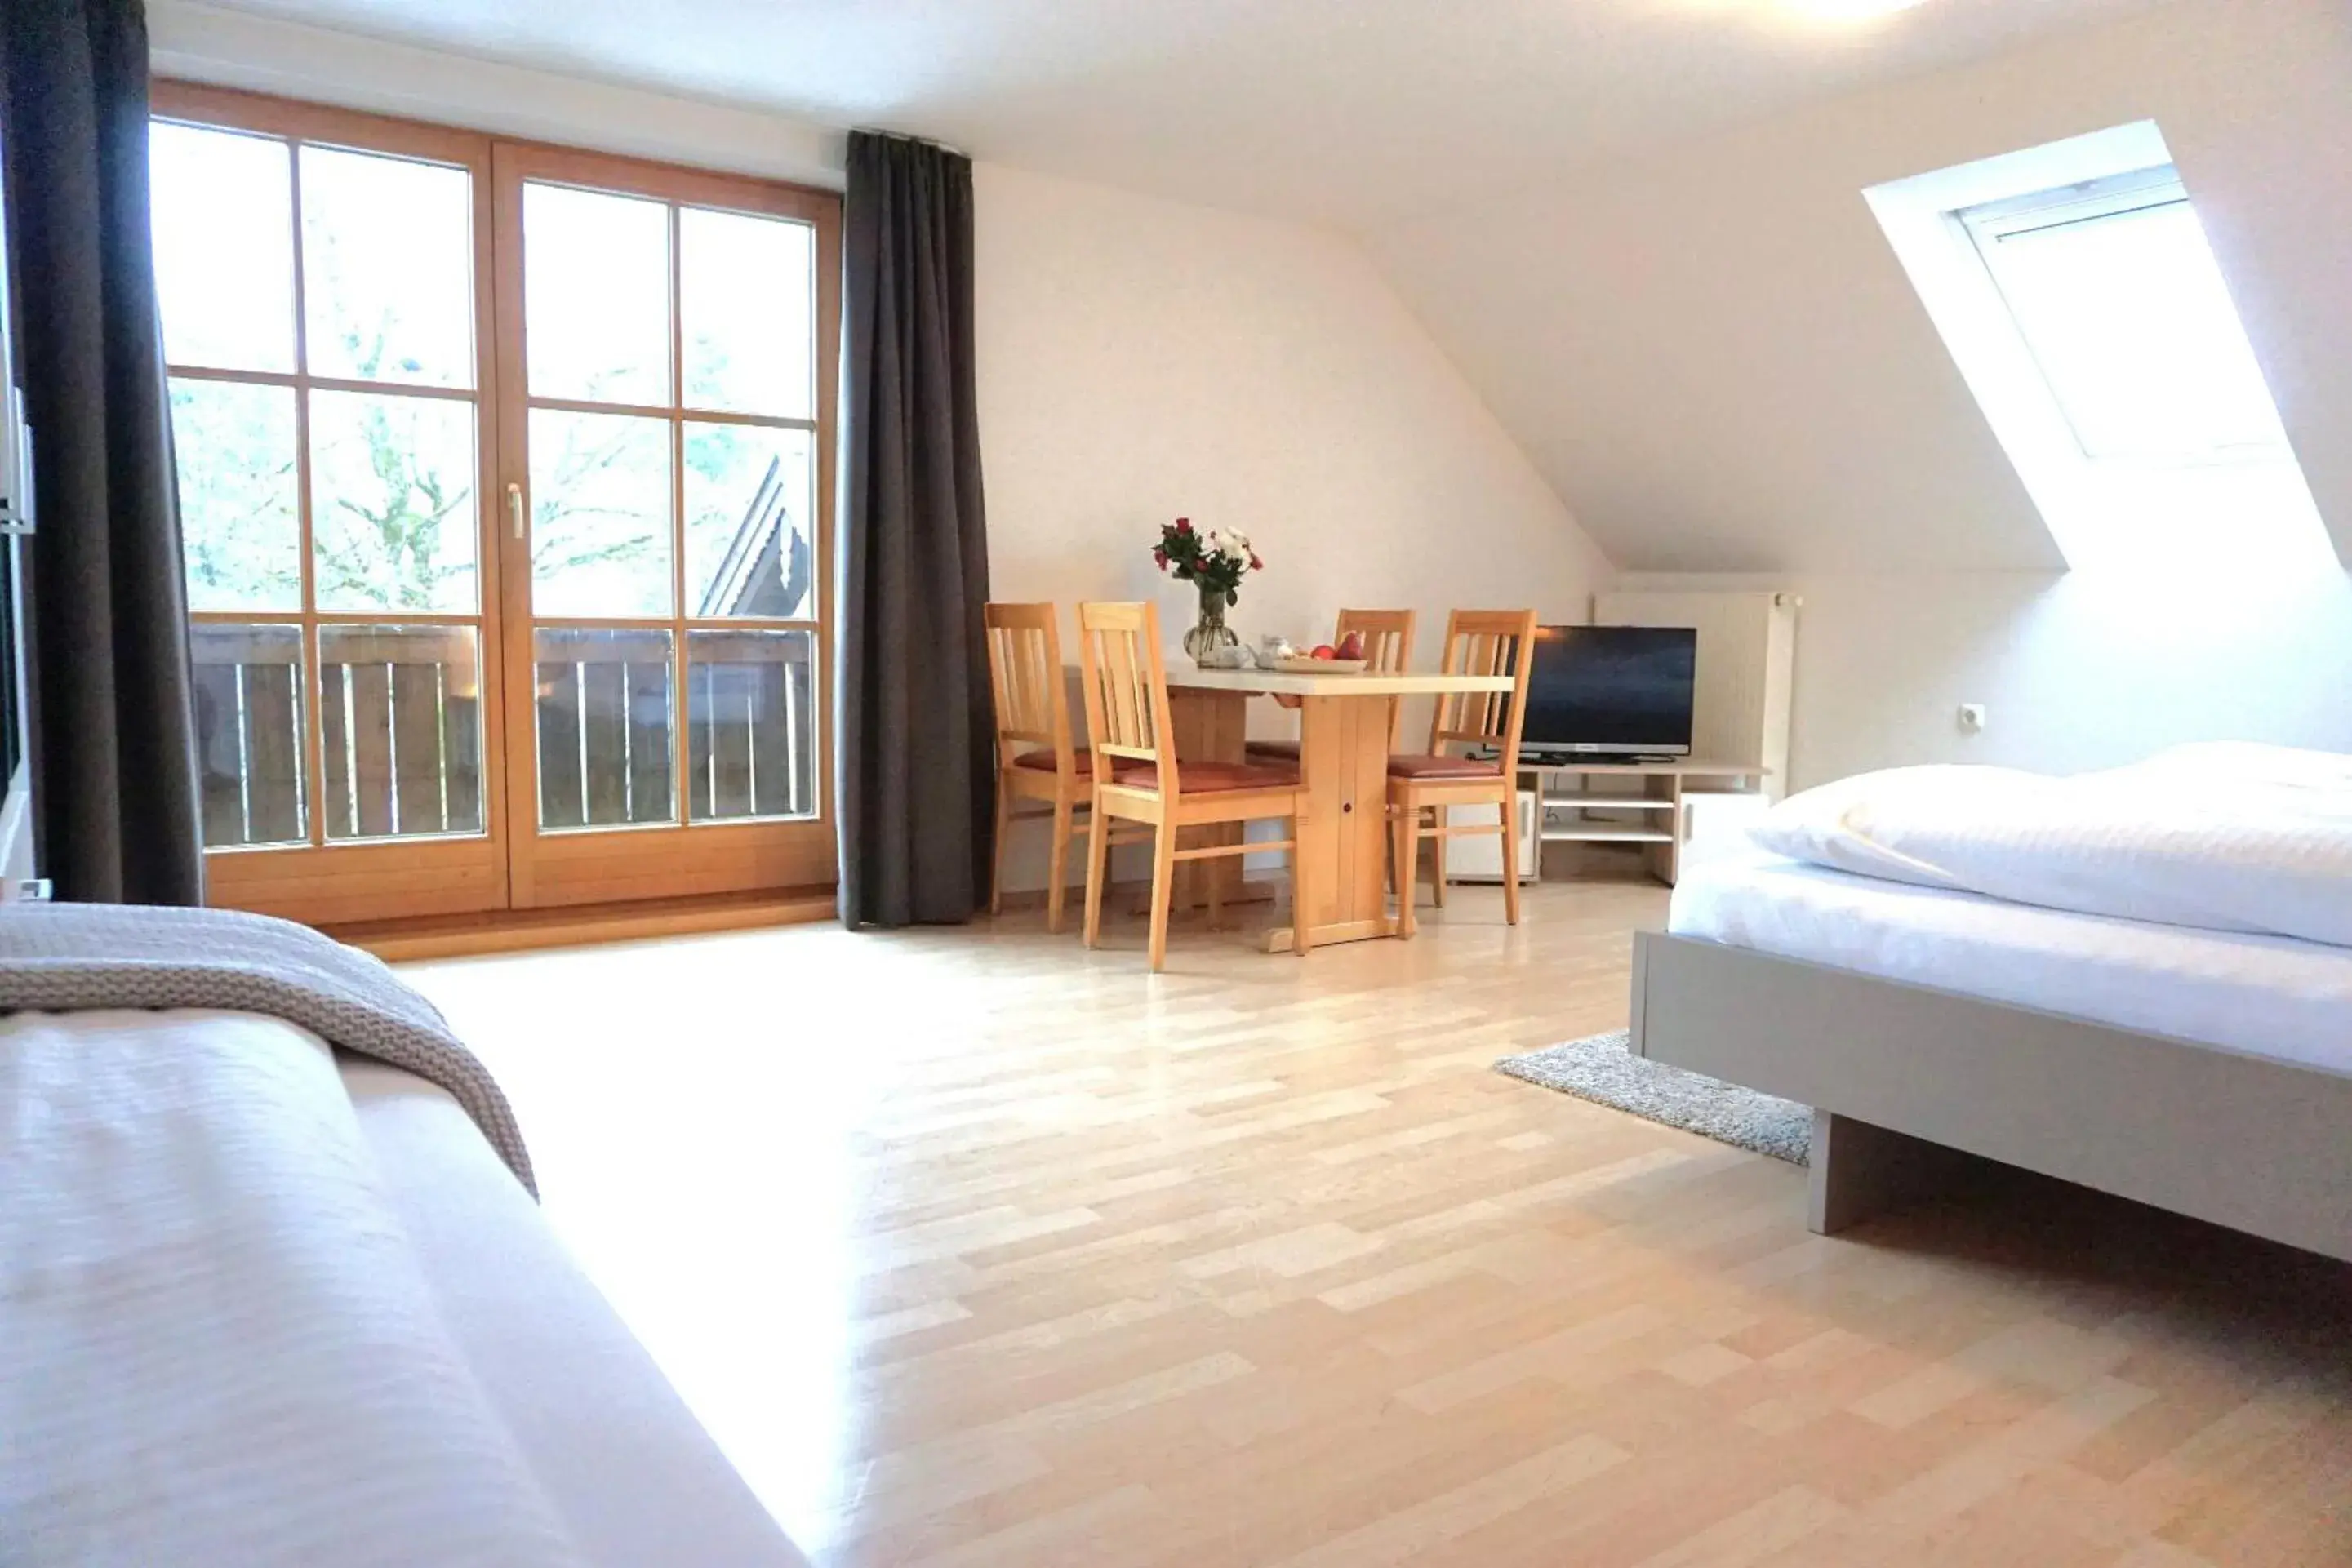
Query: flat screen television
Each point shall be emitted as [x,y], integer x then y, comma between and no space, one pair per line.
[1614,692]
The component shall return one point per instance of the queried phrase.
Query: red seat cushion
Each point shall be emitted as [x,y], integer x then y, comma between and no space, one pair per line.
[1212,778]
[1286,750]
[1426,767]
[1042,761]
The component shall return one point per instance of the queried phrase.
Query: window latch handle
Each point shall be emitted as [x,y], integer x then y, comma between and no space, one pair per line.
[514,508]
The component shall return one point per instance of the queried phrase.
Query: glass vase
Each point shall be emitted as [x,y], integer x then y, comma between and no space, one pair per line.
[1210,632]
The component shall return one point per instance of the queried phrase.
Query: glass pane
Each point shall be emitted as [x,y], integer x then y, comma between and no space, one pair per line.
[751,521]
[249,733]
[240,529]
[387,268]
[746,310]
[400,722]
[2133,326]
[223,209]
[607,751]
[751,711]
[599,495]
[392,501]
[595,296]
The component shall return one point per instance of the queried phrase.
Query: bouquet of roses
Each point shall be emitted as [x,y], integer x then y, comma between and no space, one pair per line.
[1215,561]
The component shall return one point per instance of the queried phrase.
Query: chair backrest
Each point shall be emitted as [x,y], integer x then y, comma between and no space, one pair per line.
[1127,688]
[1025,664]
[1388,651]
[1486,643]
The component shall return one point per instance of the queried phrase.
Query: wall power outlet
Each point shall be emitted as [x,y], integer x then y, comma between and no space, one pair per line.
[1973,718]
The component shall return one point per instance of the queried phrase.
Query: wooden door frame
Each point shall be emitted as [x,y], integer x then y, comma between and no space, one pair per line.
[616,865]
[510,865]
[385,878]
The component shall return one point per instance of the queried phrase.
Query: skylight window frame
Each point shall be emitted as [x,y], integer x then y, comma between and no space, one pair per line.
[1985,226]
[2084,201]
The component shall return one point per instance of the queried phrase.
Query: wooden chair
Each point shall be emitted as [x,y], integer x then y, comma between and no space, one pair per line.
[1388,651]
[1477,642]
[1036,756]
[1136,776]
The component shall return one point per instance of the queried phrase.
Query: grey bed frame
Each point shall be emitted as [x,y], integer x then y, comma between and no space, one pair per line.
[1906,1082]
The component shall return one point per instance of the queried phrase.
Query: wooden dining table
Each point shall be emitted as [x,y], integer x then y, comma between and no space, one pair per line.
[1344,761]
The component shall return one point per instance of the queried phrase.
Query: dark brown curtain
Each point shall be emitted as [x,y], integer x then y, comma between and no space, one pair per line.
[914,759]
[114,772]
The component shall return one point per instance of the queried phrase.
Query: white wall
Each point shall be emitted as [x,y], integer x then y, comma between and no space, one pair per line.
[2076,672]
[1142,359]
[1714,356]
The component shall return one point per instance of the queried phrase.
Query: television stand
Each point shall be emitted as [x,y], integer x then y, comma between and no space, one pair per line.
[1617,801]
[1622,802]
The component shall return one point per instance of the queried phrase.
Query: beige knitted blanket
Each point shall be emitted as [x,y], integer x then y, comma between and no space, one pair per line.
[75,957]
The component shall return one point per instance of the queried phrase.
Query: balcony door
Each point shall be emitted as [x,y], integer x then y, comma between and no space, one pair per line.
[333,426]
[504,477]
[667,363]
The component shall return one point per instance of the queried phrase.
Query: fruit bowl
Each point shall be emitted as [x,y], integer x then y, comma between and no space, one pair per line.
[1302,664]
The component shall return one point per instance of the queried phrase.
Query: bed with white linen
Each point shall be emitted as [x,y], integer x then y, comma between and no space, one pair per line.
[265,1302]
[1944,960]
[632,1474]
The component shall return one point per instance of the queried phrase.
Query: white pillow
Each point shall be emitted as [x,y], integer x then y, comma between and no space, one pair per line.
[2237,764]
[2223,838]
[1837,825]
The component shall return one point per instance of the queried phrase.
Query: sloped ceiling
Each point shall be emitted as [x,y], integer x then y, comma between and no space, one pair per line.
[1714,357]
[1334,110]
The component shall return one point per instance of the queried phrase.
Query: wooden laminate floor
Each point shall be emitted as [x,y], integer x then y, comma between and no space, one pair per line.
[972,1248]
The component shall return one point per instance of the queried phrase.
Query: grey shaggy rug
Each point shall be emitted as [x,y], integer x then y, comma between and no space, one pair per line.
[1605,1071]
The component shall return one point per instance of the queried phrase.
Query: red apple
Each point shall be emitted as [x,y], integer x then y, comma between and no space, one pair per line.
[1324,651]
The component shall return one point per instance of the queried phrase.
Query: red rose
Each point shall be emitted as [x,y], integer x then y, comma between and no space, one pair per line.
[1184,525]
[1160,556]
[1256,564]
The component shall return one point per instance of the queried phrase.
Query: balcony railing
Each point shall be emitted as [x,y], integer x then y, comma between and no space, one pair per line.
[249,735]
[400,729]
[606,754]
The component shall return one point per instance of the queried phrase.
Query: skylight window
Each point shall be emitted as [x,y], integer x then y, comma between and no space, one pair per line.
[2075,289]
[2123,306]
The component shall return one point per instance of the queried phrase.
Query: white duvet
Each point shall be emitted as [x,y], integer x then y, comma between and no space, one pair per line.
[2223,837]
[216,1345]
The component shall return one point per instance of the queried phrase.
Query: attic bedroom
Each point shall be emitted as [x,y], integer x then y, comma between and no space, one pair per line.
[1343,783]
